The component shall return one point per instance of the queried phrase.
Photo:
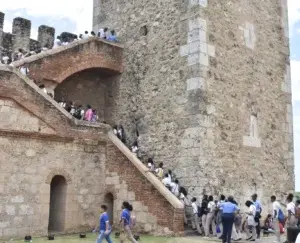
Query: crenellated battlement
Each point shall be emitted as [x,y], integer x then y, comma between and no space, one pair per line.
[20,36]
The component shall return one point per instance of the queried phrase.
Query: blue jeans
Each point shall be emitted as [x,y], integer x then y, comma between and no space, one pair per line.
[103,236]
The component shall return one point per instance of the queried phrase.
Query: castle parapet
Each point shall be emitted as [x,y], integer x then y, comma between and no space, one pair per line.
[21,29]
[20,37]
[46,36]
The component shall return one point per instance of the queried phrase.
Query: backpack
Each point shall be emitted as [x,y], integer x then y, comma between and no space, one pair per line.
[281,217]
[199,211]
[204,207]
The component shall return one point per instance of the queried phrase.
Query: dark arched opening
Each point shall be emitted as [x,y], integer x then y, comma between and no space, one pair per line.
[109,202]
[96,87]
[58,195]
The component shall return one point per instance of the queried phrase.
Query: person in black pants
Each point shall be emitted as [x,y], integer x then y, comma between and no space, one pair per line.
[229,209]
[257,217]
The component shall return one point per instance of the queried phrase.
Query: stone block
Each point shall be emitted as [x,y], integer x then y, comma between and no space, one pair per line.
[4,224]
[131,196]
[194,47]
[196,83]
[10,209]
[251,141]
[193,35]
[5,109]
[25,210]
[203,3]
[9,232]
[211,51]
[202,36]
[17,199]
[84,191]
[147,228]
[204,60]
[193,59]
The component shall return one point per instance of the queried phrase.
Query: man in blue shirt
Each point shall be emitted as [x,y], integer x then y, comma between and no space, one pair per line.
[126,223]
[229,209]
[257,217]
[104,228]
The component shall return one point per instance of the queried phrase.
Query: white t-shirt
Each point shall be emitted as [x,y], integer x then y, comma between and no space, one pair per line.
[174,188]
[298,239]
[252,210]
[5,59]
[291,207]
[276,207]
[24,70]
[166,181]
[85,36]
[195,208]
[134,149]
[151,166]
[211,206]
[102,34]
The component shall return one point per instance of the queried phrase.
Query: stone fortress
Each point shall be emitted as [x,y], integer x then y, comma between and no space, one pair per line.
[205,84]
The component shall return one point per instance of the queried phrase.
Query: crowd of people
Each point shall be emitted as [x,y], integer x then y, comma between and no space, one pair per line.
[223,218]
[103,33]
[77,111]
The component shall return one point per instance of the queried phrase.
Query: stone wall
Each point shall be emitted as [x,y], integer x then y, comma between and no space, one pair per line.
[208,86]
[39,140]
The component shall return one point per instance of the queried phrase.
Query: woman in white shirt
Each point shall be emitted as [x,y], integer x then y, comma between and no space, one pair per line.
[250,221]
[210,218]
[291,212]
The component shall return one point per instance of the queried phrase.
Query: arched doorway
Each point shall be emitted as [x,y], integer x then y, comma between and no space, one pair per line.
[95,87]
[58,195]
[109,202]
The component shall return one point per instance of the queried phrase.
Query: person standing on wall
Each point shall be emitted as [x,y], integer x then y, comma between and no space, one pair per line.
[125,224]
[105,227]
[228,215]
[257,217]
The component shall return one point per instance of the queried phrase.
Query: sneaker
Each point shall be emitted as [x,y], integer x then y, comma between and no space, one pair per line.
[249,238]
[252,240]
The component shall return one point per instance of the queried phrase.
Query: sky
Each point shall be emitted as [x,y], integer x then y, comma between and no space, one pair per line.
[75,16]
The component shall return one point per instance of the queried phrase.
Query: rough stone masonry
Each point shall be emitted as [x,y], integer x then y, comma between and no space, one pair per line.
[208,85]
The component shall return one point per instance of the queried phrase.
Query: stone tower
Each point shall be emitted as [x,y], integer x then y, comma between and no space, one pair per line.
[207,86]
[21,29]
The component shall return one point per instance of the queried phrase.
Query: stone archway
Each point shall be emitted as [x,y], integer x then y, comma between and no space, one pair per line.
[109,202]
[57,208]
[95,87]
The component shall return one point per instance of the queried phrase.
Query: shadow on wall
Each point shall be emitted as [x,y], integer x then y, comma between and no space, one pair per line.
[58,195]
[95,87]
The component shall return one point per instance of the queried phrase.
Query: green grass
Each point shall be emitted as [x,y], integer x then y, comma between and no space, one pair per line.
[92,238]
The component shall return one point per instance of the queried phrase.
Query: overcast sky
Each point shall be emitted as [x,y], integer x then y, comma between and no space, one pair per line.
[76,16]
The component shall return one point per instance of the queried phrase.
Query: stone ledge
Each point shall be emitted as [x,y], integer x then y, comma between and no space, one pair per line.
[62,48]
[174,201]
